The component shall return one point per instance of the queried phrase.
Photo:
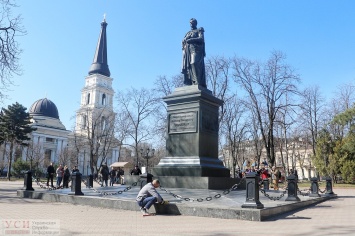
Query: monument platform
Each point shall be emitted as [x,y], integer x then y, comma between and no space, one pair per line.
[193,182]
[188,202]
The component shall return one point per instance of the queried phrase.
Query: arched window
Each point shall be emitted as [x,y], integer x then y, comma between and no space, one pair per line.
[103,99]
[88,99]
[84,122]
[103,123]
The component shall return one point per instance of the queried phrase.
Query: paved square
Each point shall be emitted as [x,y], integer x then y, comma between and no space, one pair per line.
[333,217]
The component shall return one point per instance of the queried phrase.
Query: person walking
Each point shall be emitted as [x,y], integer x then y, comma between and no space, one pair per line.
[59,172]
[50,174]
[120,175]
[112,176]
[66,177]
[275,177]
[104,171]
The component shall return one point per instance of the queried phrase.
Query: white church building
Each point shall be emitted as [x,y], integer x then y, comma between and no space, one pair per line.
[52,142]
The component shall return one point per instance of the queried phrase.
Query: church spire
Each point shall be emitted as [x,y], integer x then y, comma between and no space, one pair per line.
[99,64]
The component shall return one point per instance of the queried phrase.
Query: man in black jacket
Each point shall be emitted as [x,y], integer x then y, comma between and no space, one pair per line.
[104,171]
[50,174]
[136,171]
[112,176]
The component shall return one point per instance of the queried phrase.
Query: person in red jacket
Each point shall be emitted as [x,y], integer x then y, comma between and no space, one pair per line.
[264,173]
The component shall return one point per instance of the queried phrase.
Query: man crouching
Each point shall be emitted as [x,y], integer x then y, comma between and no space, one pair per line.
[148,195]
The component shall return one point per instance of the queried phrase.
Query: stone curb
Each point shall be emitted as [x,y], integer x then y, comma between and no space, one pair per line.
[177,209]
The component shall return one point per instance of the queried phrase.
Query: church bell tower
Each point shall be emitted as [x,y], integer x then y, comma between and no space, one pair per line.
[97,94]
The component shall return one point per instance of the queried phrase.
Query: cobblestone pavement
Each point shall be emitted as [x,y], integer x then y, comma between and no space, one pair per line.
[333,217]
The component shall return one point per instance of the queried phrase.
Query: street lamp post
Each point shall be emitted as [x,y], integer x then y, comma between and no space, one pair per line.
[145,154]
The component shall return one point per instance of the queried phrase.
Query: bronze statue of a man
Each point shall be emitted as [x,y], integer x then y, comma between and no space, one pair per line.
[193,51]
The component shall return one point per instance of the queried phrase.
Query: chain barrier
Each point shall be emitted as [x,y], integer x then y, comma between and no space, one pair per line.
[282,186]
[322,191]
[272,197]
[98,181]
[109,193]
[301,192]
[285,187]
[209,198]
[44,185]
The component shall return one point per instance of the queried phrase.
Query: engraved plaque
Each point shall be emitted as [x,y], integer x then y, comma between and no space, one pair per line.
[183,122]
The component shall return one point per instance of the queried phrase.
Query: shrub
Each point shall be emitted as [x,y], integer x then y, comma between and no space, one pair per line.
[20,167]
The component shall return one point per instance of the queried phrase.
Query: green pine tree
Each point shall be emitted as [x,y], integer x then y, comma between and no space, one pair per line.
[344,151]
[14,129]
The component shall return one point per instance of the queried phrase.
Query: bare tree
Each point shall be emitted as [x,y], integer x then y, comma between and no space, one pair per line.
[218,73]
[255,134]
[165,86]
[234,130]
[122,129]
[3,161]
[345,95]
[284,123]
[65,156]
[266,84]
[35,155]
[343,100]
[139,106]
[97,135]
[10,28]
[312,111]
[302,146]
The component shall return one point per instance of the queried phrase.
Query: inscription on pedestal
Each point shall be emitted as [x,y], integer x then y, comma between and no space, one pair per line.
[183,122]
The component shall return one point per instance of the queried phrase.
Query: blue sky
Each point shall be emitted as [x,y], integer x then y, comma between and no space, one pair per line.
[144,41]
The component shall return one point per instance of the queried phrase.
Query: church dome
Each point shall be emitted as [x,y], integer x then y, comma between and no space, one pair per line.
[44,107]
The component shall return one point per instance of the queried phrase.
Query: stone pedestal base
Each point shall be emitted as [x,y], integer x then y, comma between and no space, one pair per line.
[198,182]
[190,182]
[192,171]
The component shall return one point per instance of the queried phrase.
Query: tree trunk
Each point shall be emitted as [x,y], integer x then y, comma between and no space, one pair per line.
[10,161]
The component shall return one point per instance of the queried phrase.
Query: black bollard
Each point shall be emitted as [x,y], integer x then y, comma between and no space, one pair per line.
[266,184]
[146,178]
[76,184]
[292,188]
[329,186]
[252,193]
[28,181]
[90,181]
[314,188]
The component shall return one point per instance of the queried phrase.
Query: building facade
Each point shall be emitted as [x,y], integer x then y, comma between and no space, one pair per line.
[297,157]
[52,142]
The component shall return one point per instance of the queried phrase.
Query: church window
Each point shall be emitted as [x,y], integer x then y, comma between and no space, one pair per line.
[103,99]
[47,157]
[103,123]
[88,99]
[50,140]
[84,121]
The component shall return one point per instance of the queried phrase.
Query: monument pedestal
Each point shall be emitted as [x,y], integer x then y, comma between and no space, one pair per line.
[194,182]
[192,137]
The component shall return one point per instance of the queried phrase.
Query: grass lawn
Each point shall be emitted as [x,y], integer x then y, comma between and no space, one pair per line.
[306,184]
